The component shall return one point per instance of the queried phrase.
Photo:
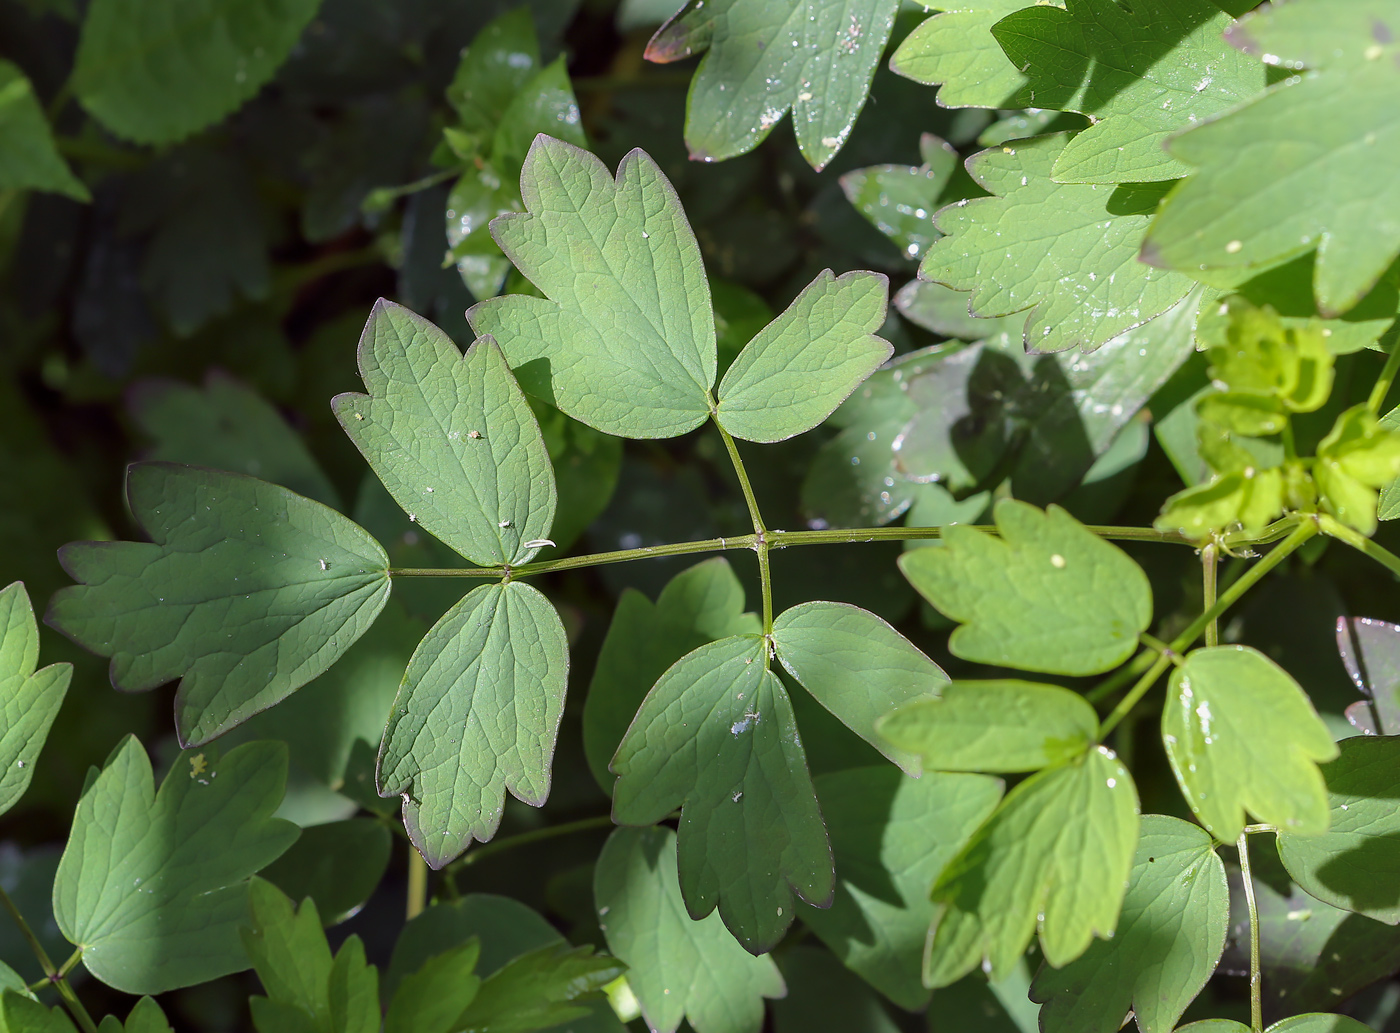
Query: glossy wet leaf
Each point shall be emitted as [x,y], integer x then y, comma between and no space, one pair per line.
[338,865]
[1055,857]
[1170,935]
[716,737]
[1048,595]
[899,200]
[808,360]
[702,603]
[1107,61]
[1065,252]
[768,56]
[1241,735]
[856,666]
[29,698]
[31,160]
[452,438]
[1001,726]
[476,715]
[1290,171]
[493,69]
[891,836]
[153,885]
[679,969]
[1370,651]
[1354,864]
[246,593]
[154,74]
[624,339]
[955,50]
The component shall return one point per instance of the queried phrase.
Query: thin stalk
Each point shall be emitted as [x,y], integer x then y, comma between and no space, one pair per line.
[417,884]
[1136,693]
[1208,591]
[1383,382]
[1122,676]
[597,559]
[1256,994]
[760,532]
[1360,542]
[500,846]
[56,976]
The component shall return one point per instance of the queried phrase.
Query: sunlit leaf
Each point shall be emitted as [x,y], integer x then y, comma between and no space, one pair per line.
[29,698]
[955,50]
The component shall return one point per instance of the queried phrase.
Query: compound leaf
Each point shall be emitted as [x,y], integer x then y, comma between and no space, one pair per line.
[29,699]
[451,437]
[539,990]
[246,593]
[766,56]
[891,836]
[856,666]
[153,885]
[1354,864]
[1056,855]
[1066,252]
[955,49]
[716,737]
[431,999]
[677,967]
[998,726]
[155,74]
[1294,169]
[476,715]
[1242,735]
[1048,595]
[1106,60]
[624,339]
[30,160]
[1170,935]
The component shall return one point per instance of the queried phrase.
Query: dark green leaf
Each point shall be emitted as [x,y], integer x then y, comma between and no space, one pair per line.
[899,200]
[21,1014]
[823,995]
[29,699]
[432,999]
[246,593]
[31,160]
[539,990]
[501,59]
[338,865]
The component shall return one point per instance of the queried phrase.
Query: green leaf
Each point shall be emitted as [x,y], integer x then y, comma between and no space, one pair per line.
[1056,856]
[716,737]
[678,968]
[502,58]
[1256,354]
[228,426]
[1359,455]
[586,467]
[1282,174]
[451,437]
[1241,734]
[432,999]
[31,160]
[766,56]
[899,200]
[1048,595]
[477,198]
[154,885]
[1168,943]
[1353,865]
[1000,726]
[154,75]
[21,1014]
[29,699]
[1140,73]
[1316,1022]
[1250,498]
[539,990]
[624,338]
[476,715]
[1370,651]
[337,865]
[698,605]
[246,593]
[545,104]
[806,362]
[144,1017]
[823,995]
[890,837]
[1068,253]
[955,49]
[856,666]
[944,311]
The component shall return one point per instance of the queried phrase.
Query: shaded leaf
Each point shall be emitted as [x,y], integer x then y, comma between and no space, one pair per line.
[823,995]
[899,200]
[337,865]
[432,999]
[539,990]
[31,160]
[1370,651]
[493,69]
[29,698]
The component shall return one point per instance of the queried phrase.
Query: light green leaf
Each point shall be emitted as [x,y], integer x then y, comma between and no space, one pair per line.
[1359,455]
[766,56]
[246,593]
[433,998]
[155,74]
[451,437]
[698,605]
[956,49]
[899,200]
[1241,734]
[21,1014]
[30,160]
[944,311]
[1354,864]
[1056,856]
[998,726]
[539,990]
[29,699]
[716,737]
[1106,61]
[154,885]
[144,1017]
[856,666]
[1293,170]
[891,836]
[1048,595]
[337,865]
[476,715]
[678,968]
[1249,498]
[624,339]
[1068,253]
[806,362]
[12,980]
[1168,943]
[478,197]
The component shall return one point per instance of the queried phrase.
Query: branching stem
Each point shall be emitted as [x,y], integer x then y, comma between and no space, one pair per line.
[500,846]
[56,976]
[1256,994]
[1360,542]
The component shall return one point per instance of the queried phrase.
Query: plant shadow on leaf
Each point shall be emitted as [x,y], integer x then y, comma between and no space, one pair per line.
[1364,873]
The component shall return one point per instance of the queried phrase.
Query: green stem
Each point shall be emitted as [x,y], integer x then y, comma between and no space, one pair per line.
[55,976]
[1209,584]
[1139,690]
[1383,382]
[1360,543]
[71,963]
[417,884]
[500,846]
[1256,994]
[761,544]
